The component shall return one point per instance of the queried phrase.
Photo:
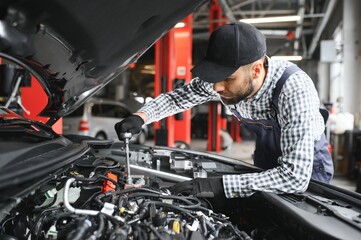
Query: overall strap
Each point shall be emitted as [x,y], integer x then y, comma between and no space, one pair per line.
[276,92]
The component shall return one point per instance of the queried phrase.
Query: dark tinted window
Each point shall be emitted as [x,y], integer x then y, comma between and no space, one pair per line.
[97,110]
[120,112]
[109,110]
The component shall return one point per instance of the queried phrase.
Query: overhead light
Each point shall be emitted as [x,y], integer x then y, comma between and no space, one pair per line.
[288,58]
[180,25]
[145,71]
[293,18]
[274,32]
[149,67]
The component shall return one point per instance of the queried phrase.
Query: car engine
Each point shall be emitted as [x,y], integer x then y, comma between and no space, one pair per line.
[93,200]
[90,197]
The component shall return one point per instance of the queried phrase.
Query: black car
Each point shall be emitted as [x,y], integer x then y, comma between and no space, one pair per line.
[75,187]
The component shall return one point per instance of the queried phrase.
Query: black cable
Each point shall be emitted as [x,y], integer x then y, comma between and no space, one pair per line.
[96,178]
[40,227]
[109,179]
[113,220]
[121,200]
[167,205]
[123,191]
[106,167]
[197,204]
[245,235]
[117,172]
[204,226]
[3,225]
[229,225]
[198,199]
[37,220]
[99,198]
[190,205]
[64,214]
[211,227]
[81,230]
[100,227]
[91,187]
[139,233]
[208,202]
[155,231]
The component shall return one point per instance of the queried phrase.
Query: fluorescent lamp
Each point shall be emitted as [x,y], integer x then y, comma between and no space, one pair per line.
[145,71]
[274,32]
[289,58]
[180,25]
[293,18]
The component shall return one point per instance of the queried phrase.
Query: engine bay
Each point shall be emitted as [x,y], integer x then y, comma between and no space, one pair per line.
[92,198]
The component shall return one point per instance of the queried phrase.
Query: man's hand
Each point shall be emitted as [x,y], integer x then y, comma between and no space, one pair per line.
[132,124]
[201,187]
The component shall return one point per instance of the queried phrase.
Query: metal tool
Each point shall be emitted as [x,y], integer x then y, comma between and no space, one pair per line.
[126,137]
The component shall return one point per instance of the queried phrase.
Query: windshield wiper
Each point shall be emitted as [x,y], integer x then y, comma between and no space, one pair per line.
[25,126]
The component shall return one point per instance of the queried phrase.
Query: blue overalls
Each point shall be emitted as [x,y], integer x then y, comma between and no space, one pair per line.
[268,132]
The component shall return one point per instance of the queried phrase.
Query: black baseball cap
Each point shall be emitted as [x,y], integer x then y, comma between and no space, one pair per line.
[230,47]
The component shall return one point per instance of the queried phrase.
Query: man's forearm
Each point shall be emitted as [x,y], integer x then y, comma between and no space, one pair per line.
[142,115]
[192,94]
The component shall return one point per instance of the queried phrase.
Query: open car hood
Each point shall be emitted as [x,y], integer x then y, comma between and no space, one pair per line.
[74,48]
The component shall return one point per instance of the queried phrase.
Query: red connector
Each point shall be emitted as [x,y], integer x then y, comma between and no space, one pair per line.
[108,185]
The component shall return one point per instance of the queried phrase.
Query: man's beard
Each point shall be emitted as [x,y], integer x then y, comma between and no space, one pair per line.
[240,95]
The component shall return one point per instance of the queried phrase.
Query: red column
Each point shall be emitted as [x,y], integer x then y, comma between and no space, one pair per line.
[173,61]
[235,130]
[183,48]
[164,74]
[215,121]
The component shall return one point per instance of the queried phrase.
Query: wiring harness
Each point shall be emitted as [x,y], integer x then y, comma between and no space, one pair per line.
[103,206]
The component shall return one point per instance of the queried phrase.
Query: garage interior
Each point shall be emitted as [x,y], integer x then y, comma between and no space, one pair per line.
[324,42]
[321,37]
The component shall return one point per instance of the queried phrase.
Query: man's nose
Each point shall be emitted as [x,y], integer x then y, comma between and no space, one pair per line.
[219,86]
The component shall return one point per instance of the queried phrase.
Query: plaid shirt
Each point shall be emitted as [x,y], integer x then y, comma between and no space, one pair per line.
[299,118]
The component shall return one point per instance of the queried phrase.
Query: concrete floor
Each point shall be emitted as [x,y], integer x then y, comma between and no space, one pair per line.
[244,150]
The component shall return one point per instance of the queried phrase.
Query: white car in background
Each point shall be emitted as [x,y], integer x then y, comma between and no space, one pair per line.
[97,117]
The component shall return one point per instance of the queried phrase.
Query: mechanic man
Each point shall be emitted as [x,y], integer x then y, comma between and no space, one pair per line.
[274,98]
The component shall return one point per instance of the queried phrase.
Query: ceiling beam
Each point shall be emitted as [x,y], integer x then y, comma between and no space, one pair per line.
[239,5]
[256,12]
[269,7]
[298,32]
[268,12]
[227,10]
[320,26]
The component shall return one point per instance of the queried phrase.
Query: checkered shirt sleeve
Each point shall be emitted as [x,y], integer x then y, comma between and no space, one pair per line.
[194,93]
[301,124]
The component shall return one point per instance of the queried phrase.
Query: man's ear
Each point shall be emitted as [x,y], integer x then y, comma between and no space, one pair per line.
[256,69]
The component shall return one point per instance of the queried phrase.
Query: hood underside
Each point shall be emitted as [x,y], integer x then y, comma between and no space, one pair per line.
[74,48]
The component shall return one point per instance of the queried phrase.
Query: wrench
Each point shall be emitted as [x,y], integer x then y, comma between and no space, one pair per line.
[126,137]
